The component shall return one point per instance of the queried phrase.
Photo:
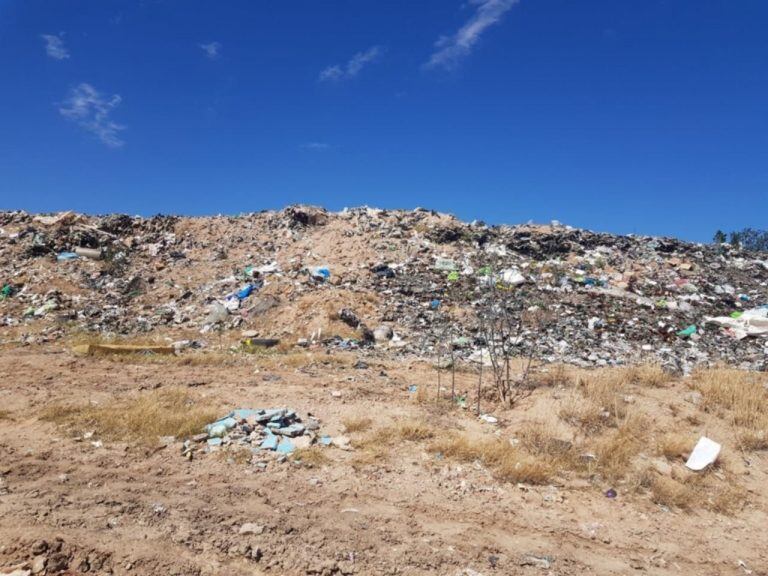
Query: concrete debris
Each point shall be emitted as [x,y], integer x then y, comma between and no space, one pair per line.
[278,430]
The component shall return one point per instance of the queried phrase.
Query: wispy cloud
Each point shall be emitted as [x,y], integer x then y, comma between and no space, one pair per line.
[212,50]
[91,110]
[353,67]
[316,146]
[450,50]
[54,46]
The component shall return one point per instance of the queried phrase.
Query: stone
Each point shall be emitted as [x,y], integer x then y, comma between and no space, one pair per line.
[662,467]
[251,528]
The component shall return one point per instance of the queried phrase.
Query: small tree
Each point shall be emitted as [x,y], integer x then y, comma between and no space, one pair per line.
[501,325]
[719,237]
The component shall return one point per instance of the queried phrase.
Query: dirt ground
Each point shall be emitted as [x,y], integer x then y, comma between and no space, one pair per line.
[72,502]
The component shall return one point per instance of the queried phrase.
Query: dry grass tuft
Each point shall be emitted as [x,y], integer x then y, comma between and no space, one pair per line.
[142,419]
[554,375]
[669,492]
[675,445]
[584,414]
[414,431]
[648,375]
[751,440]
[5,415]
[352,425]
[312,457]
[617,449]
[376,446]
[696,491]
[506,462]
[740,396]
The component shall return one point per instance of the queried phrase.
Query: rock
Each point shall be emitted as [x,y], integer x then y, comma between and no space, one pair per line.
[662,467]
[251,528]
[543,562]
[57,562]
[341,442]
[17,572]
[38,564]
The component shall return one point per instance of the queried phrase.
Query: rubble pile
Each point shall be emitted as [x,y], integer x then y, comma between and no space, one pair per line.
[408,281]
[278,430]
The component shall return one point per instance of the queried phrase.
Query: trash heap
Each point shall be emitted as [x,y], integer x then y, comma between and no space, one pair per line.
[278,430]
[409,282]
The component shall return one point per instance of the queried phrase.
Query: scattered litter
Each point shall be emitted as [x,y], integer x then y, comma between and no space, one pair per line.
[91,253]
[321,273]
[64,256]
[611,493]
[488,418]
[704,453]
[687,332]
[749,323]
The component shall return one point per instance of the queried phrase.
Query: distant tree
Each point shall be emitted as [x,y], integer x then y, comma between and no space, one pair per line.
[720,237]
[750,239]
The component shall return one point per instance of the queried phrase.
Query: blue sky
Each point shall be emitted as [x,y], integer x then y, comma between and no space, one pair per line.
[645,116]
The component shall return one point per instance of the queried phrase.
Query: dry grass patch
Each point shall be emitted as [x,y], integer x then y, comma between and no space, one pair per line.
[616,451]
[537,439]
[183,359]
[312,457]
[376,446]
[554,375]
[275,359]
[352,425]
[696,491]
[581,413]
[505,461]
[600,399]
[649,375]
[675,445]
[739,396]
[142,419]
[750,440]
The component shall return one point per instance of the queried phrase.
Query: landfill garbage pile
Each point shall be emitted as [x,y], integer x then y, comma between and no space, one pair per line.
[277,430]
[411,282]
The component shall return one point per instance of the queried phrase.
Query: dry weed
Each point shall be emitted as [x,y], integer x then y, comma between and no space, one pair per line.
[696,491]
[740,396]
[584,414]
[648,375]
[675,445]
[554,375]
[312,457]
[617,449]
[142,419]
[352,425]
[506,462]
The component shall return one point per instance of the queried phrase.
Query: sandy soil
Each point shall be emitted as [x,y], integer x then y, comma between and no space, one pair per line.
[124,508]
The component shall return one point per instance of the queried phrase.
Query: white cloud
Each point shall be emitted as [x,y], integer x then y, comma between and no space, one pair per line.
[316,146]
[90,110]
[212,50]
[449,50]
[353,67]
[54,46]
